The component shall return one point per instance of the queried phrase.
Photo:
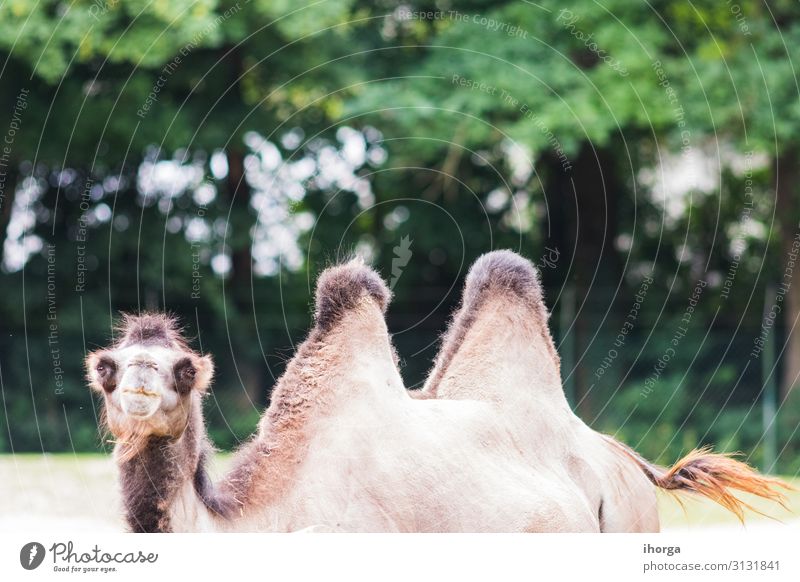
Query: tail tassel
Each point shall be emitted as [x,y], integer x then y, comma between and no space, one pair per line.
[715,476]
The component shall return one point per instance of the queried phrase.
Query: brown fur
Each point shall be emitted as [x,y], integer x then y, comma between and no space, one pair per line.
[153,469]
[150,328]
[264,466]
[711,475]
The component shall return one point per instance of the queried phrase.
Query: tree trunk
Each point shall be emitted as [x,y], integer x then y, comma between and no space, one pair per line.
[786,177]
[240,282]
[239,228]
[7,202]
[583,221]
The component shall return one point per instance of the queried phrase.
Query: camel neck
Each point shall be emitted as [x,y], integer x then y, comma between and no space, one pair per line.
[162,474]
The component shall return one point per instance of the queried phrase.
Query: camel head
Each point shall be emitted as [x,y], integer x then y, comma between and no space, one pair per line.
[150,379]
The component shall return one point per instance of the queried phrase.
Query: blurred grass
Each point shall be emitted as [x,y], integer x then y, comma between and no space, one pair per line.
[67,492]
[64,492]
[679,512]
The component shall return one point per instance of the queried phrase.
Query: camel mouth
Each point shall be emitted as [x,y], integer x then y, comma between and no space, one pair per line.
[140,403]
[141,391]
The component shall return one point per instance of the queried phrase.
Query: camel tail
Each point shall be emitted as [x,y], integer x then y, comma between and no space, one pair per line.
[712,475]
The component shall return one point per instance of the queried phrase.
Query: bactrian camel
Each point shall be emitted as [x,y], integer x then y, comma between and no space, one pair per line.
[488,445]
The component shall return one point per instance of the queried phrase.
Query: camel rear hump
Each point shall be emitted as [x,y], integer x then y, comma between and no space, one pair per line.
[501,322]
[506,276]
[506,272]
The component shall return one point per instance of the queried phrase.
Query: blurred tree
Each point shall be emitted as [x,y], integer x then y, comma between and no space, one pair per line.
[744,76]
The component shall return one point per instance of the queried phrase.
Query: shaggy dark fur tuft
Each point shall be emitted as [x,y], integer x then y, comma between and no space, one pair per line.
[148,480]
[502,270]
[153,475]
[150,328]
[342,287]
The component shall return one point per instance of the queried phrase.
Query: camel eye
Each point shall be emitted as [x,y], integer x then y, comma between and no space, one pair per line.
[106,370]
[184,373]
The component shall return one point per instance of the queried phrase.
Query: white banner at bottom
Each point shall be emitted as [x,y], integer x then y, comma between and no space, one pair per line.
[406,557]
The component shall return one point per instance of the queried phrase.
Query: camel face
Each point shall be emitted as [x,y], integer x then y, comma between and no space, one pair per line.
[148,380]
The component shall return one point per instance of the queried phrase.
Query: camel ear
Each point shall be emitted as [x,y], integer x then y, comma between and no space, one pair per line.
[91,371]
[205,373]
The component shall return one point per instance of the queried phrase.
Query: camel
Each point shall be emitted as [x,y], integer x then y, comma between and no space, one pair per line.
[489,444]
